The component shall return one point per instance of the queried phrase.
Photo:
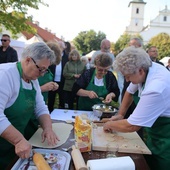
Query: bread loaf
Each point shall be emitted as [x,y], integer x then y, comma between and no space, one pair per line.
[40,162]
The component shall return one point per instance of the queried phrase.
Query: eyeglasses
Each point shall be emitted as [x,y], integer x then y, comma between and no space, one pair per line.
[102,70]
[4,40]
[154,51]
[41,70]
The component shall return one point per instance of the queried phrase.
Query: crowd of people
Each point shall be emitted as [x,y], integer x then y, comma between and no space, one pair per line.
[47,69]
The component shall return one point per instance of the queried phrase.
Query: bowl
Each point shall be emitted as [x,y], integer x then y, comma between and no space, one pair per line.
[103,110]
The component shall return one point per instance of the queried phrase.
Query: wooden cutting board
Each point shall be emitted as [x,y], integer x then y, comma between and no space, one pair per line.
[121,142]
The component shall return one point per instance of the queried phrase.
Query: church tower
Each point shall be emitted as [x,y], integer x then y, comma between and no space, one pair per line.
[137,17]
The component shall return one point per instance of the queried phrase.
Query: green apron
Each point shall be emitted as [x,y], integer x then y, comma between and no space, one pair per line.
[18,114]
[157,138]
[32,125]
[158,141]
[85,103]
[45,79]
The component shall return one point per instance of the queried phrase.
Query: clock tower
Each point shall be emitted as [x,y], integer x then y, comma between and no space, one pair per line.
[137,17]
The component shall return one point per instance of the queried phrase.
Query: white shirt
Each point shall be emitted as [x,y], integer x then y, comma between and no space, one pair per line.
[57,77]
[154,97]
[9,90]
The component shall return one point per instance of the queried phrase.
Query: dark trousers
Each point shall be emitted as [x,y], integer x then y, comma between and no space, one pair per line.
[69,100]
[52,96]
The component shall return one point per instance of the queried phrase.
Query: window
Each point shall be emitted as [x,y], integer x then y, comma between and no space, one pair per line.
[165,18]
[137,11]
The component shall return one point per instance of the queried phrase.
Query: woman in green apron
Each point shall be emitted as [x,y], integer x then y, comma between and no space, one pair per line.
[152,110]
[46,85]
[96,82]
[20,98]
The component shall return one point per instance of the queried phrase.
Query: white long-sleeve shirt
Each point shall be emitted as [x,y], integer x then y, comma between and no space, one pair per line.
[154,97]
[9,90]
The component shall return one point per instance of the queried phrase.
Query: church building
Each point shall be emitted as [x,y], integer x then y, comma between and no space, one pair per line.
[160,24]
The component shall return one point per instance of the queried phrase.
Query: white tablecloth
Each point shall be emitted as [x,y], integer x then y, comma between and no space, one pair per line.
[69,115]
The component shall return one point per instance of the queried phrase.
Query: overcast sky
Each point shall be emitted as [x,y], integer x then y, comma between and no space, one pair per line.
[69,17]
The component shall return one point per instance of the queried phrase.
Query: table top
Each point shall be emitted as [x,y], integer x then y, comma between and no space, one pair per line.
[139,160]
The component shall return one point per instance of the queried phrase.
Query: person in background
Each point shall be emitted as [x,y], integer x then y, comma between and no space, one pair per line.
[20,98]
[136,42]
[57,71]
[104,47]
[46,85]
[72,71]
[7,53]
[153,108]
[168,66]
[96,82]
[46,81]
[85,60]
[153,53]
[67,47]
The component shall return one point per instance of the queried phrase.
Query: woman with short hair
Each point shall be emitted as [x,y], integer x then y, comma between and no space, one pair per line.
[97,82]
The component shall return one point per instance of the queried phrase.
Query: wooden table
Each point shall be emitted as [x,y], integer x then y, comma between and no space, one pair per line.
[138,159]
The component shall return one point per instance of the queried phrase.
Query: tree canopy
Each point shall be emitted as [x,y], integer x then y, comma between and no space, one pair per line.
[13,14]
[123,41]
[162,42]
[87,41]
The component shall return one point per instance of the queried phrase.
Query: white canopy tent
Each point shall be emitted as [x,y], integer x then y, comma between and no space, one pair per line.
[165,60]
[89,55]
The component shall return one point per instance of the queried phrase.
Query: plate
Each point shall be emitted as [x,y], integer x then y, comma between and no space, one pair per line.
[63,160]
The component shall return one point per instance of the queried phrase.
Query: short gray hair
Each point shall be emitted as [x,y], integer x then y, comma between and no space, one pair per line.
[39,51]
[131,59]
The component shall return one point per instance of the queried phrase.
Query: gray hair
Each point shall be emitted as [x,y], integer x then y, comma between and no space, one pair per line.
[131,59]
[103,60]
[138,42]
[39,51]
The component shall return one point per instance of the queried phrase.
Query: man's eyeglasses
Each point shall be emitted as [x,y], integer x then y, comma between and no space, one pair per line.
[41,70]
[4,40]
[154,51]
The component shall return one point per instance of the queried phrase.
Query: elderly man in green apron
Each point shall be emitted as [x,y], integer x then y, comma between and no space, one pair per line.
[151,80]
[96,82]
[20,98]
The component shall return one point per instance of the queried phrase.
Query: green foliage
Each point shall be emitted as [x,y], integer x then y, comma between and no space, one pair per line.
[13,14]
[162,42]
[123,41]
[87,41]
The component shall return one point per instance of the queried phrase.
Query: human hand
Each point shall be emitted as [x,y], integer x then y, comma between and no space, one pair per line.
[92,95]
[107,126]
[49,135]
[117,117]
[109,97]
[23,148]
[50,86]
[77,75]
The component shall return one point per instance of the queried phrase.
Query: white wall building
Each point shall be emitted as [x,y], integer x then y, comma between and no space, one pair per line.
[137,17]
[161,24]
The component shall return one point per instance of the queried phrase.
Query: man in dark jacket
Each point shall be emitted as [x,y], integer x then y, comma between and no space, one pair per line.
[153,53]
[7,53]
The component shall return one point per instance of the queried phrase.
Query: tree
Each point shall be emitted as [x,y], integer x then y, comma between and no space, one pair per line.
[162,42]
[87,41]
[122,42]
[16,20]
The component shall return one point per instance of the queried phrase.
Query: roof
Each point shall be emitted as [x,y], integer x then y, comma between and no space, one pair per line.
[43,33]
[137,2]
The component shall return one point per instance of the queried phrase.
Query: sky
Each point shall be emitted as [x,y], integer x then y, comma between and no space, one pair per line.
[67,18]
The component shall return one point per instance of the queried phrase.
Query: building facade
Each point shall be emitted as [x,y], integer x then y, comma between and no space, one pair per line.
[160,24]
